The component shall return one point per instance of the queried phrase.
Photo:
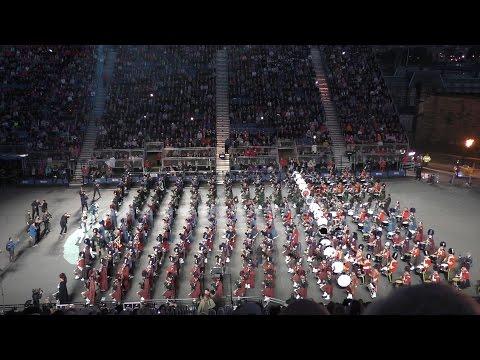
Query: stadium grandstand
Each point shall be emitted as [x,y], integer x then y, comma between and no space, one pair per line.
[223,180]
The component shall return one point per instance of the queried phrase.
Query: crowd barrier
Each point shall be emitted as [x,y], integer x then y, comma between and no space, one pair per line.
[44,182]
[236,175]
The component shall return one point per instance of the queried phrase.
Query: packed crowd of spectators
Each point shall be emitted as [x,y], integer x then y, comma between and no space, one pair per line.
[45,96]
[161,93]
[272,88]
[362,100]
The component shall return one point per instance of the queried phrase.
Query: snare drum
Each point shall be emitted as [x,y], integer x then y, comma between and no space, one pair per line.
[350,212]
[444,267]
[344,280]
[370,212]
[456,279]
[325,242]
[360,226]
[337,267]
[329,252]
[385,223]
[399,282]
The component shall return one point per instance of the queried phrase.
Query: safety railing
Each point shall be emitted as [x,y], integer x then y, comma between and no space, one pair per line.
[200,152]
[378,150]
[188,163]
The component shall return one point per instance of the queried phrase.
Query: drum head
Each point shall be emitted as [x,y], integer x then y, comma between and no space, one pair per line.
[344,280]
[329,251]
[337,267]
[325,242]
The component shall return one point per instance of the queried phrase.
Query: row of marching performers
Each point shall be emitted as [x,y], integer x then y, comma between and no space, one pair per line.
[162,248]
[205,247]
[253,256]
[269,234]
[291,250]
[247,273]
[123,245]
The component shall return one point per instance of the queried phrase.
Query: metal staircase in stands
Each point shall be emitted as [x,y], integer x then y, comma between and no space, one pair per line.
[332,122]
[223,120]
[105,64]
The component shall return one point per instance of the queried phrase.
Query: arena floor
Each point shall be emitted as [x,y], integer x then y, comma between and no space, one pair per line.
[451,211]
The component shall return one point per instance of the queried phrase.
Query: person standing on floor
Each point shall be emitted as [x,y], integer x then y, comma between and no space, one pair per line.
[44,206]
[32,232]
[46,222]
[35,210]
[11,249]
[63,223]
[28,219]
[83,200]
[96,190]
[37,223]
[62,294]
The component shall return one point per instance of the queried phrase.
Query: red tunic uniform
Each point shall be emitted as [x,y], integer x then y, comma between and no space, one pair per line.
[103,278]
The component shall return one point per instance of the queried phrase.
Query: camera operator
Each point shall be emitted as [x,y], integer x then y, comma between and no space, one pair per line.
[36,296]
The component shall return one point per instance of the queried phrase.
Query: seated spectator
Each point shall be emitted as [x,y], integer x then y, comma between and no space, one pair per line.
[272,88]
[161,93]
[425,299]
[362,99]
[44,98]
[305,307]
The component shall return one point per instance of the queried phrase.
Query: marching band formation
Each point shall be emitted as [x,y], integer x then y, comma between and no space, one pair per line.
[352,257]
[352,238]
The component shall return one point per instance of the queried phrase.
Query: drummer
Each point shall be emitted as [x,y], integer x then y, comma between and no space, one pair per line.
[391,268]
[464,278]
[398,241]
[412,257]
[367,265]
[407,277]
[441,253]
[426,266]
[405,215]
[385,254]
[435,278]
[373,243]
[382,217]
[352,287]
[451,263]
[372,286]
[327,289]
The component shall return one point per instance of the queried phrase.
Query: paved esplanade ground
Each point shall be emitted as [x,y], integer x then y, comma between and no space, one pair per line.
[453,212]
